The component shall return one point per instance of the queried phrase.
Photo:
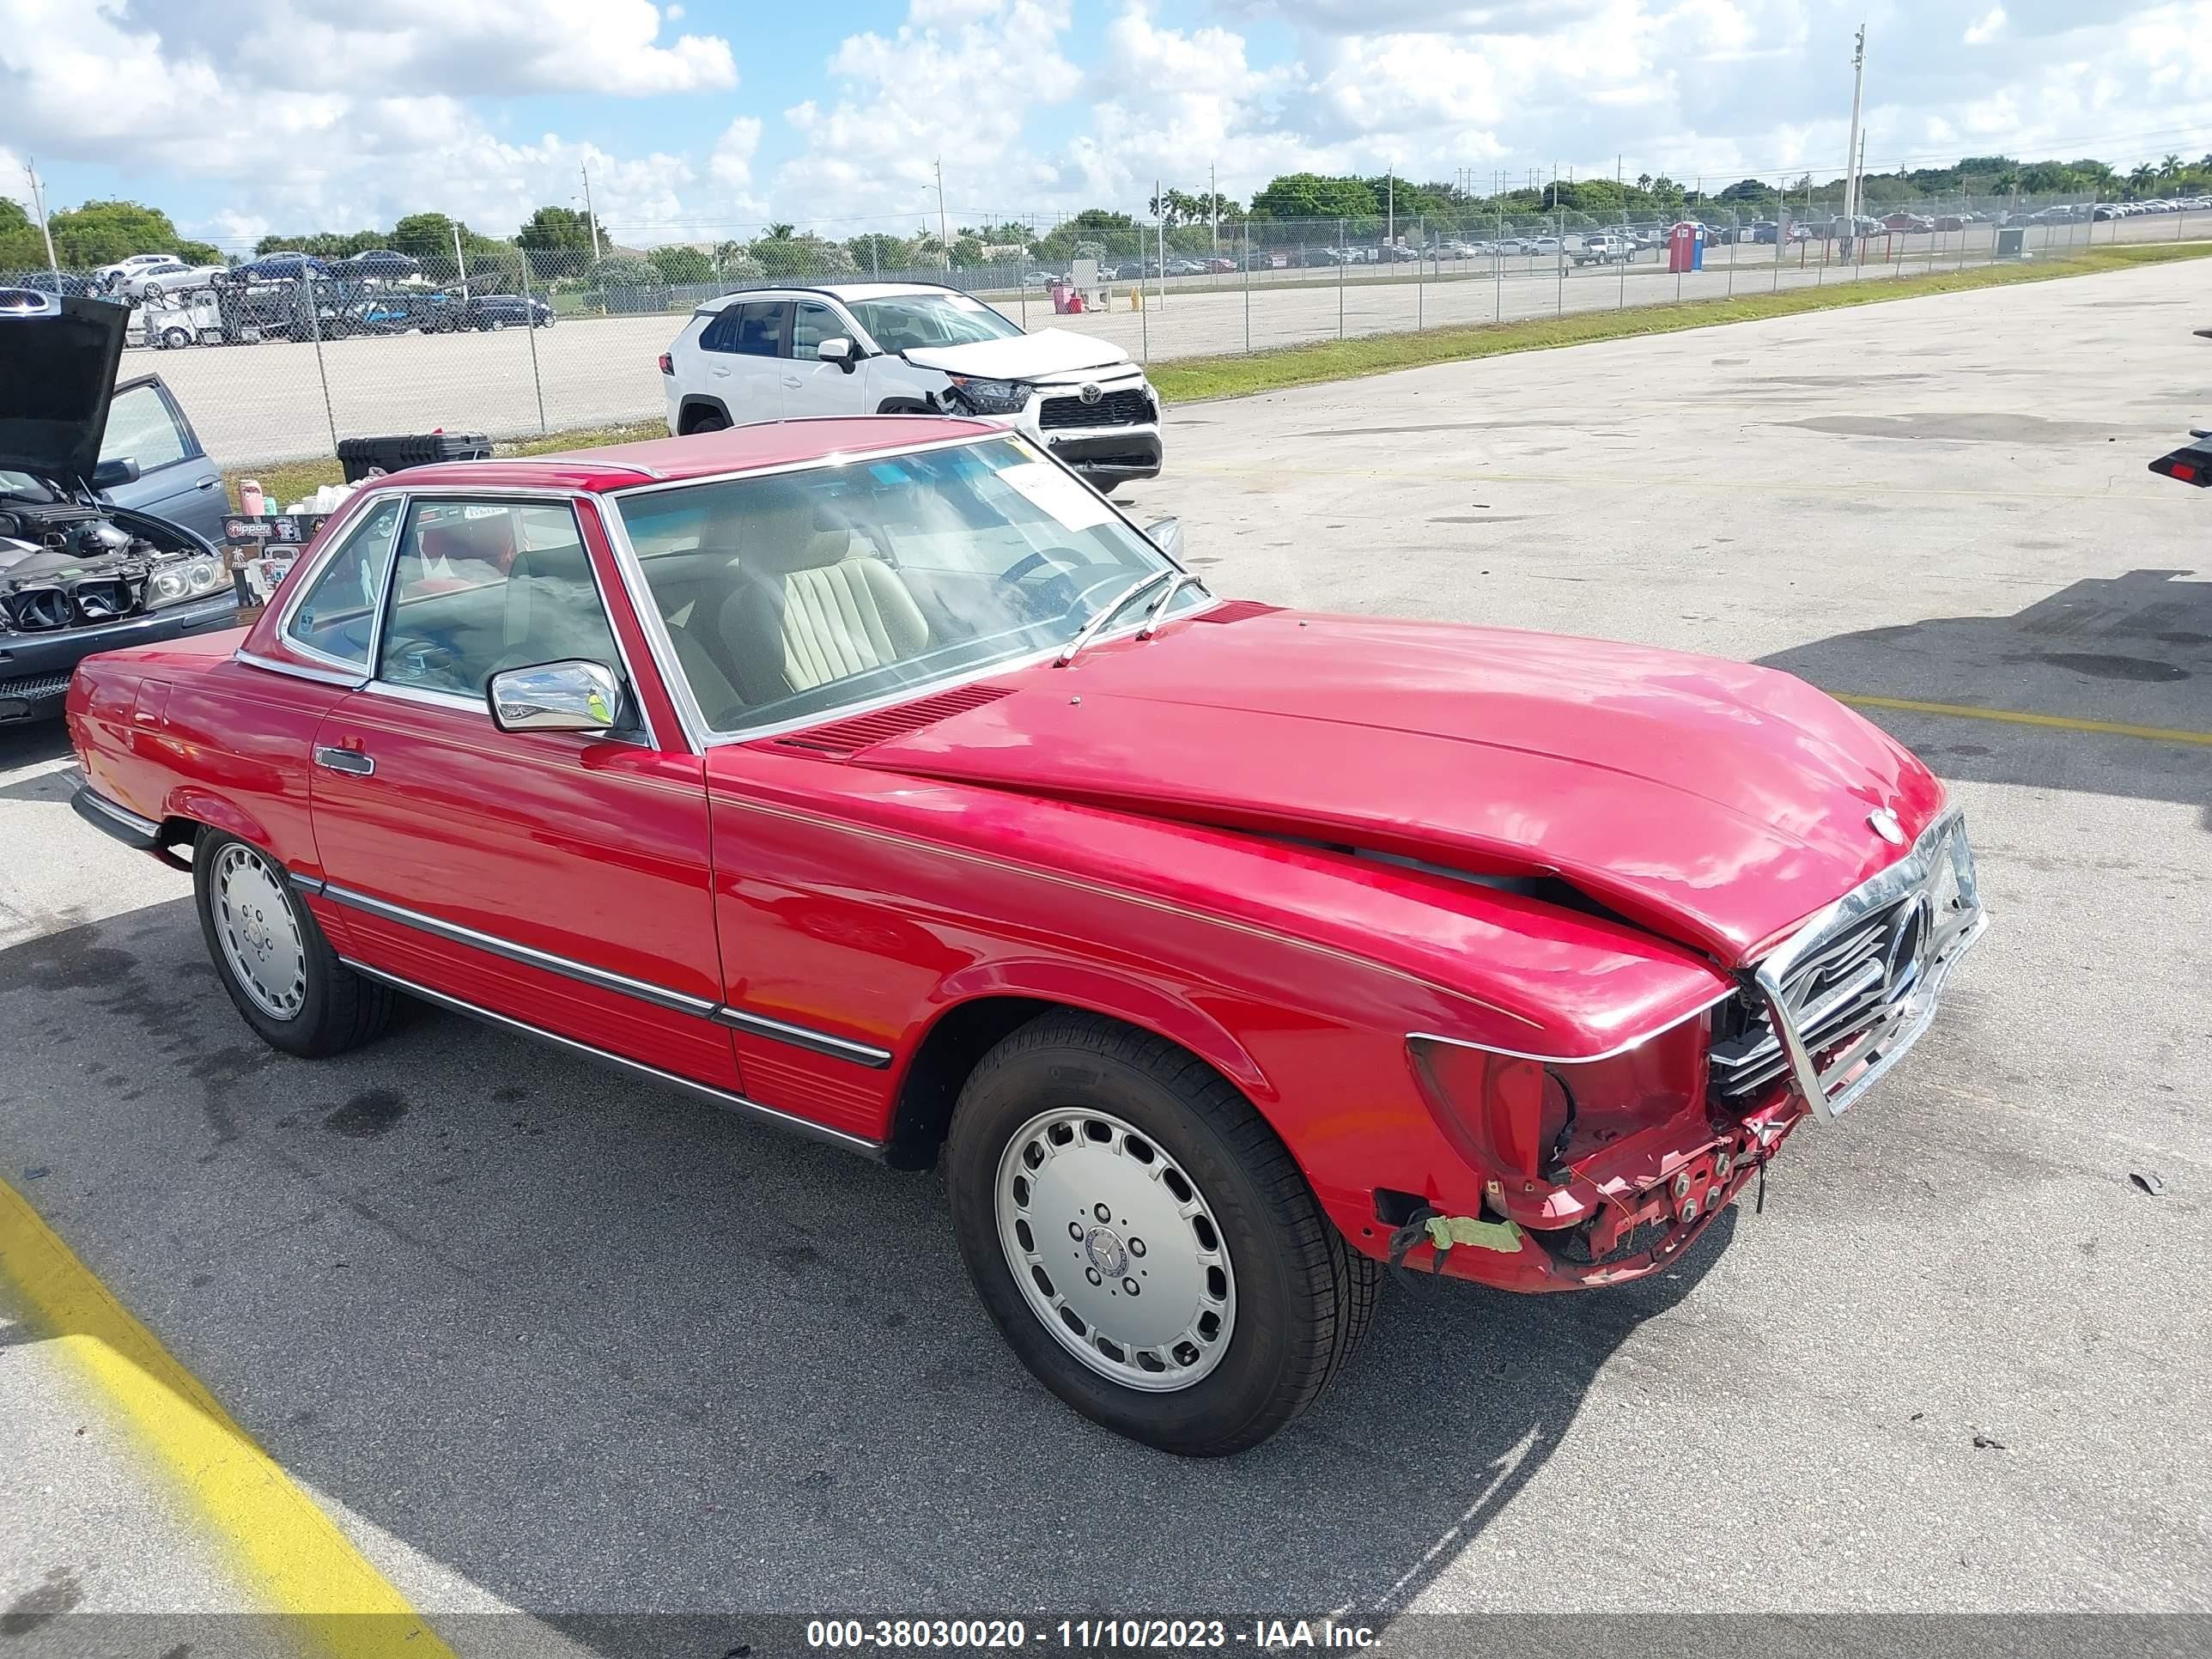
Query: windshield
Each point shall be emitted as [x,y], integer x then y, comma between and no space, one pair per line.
[800,593]
[911,322]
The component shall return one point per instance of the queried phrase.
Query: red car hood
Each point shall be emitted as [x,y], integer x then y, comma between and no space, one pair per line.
[1711,802]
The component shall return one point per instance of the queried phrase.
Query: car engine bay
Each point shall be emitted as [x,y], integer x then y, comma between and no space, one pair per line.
[66,563]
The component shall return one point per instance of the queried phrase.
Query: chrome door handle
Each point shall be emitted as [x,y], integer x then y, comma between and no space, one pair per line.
[793,381]
[207,483]
[351,761]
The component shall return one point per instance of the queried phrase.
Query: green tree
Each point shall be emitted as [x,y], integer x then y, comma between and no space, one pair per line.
[22,248]
[677,263]
[1313,196]
[425,236]
[549,229]
[99,232]
[875,252]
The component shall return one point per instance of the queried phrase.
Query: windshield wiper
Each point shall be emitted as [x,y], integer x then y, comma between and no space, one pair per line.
[1113,609]
[1157,611]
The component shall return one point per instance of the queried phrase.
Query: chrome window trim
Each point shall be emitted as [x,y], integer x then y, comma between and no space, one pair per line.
[722,1097]
[1911,874]
[512,496]
[703,736]
[359,672]
[300,671]
[1614,1052]
[681,1002]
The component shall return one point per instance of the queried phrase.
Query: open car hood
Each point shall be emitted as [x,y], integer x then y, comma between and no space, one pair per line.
[1021,356]
[58,362]
[1712,802]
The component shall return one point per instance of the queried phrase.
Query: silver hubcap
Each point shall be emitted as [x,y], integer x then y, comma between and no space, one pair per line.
[1115,1249]
[261,938]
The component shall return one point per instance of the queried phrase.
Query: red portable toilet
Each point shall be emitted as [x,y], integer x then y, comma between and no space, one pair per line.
[1686,247]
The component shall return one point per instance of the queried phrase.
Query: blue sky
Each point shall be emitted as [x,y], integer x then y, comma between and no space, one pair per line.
[707,119]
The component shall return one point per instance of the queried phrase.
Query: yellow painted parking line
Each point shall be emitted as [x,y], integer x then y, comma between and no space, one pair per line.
[295,1561]
[2020,717]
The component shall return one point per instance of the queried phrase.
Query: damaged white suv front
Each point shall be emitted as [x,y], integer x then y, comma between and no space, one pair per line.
[906,348]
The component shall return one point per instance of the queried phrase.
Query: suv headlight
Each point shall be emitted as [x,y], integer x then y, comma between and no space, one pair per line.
[992,397]
[175,581]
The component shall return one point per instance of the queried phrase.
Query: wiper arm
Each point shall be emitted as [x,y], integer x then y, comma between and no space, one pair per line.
[1157,611]
[1106,613]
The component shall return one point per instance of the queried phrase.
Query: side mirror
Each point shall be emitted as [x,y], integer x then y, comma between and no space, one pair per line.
[555,696]
[839,350]
[109,474]
[1166,534]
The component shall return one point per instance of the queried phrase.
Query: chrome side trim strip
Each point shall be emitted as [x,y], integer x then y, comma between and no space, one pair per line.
[584,972]
[306,884]
[865,1053]
[87,798]
[722,1097]
[1618,1048]
[300,671]
[800,1036]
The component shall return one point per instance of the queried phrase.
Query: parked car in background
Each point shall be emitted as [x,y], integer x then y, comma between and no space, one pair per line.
[279,267]
[1601,248]
[491,311]
[174,278]
[901,348]
[910,798]
[1543,245]
[111,275]
[108,504]
[378,264]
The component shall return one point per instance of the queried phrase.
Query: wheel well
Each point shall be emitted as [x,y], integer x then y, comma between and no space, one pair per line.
[902,406]
[940,1069]
[692,408]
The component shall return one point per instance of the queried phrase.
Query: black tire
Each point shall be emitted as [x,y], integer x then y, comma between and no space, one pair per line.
[1302,1297]
[339,1009]
[706,420]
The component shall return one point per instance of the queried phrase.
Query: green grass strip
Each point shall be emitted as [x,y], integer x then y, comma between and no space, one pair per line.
[1192,379]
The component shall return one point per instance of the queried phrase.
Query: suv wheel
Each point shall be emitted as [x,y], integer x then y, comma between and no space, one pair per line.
[1145,1242]
[706,420]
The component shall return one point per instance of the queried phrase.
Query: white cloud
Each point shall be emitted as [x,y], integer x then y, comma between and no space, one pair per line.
[956,82]
[1986,27]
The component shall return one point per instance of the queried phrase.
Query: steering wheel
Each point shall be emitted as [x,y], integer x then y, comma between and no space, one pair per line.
[1045,558]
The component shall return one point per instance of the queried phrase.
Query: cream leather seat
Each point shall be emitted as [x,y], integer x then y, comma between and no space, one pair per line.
[812,605]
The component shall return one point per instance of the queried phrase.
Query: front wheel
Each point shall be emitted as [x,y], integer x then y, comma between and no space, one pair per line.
[272,957]
[1145,1242]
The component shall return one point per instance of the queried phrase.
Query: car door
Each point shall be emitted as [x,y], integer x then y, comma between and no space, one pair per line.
[176,480]
[812,386]
[557,878]
[745,351]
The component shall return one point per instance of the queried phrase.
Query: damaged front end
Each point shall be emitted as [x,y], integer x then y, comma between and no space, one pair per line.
[1601,1171]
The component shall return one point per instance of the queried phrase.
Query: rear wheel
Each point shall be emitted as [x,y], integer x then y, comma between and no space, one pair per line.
[273,959]
[1145,1242]
[707,420]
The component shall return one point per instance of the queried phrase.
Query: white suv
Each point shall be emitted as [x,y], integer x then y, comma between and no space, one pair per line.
[913,349]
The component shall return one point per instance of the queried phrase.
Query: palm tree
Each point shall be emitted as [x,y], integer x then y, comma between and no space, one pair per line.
[779,233]
[2169,167]
[2142,178]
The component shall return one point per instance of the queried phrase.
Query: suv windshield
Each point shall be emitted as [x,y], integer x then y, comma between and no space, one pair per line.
[797,594]
[910,322]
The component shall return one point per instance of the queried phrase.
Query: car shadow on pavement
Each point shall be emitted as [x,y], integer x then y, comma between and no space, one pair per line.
[600,1350]
[2131,650]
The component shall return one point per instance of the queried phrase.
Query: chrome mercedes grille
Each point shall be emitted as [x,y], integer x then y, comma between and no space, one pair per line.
[1847,994]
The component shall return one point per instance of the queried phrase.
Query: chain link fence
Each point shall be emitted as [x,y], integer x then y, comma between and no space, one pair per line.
[281,357]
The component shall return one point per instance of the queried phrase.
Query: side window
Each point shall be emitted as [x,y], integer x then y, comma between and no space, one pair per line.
[335,617]
[762,326]
[721,334]
[482,586]
[142,427]
[812,324]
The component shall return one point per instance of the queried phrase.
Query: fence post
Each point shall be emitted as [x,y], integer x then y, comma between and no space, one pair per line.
[530,328]
[1627,247]
[1247,285]
[1558,259]
[1340,251]
[315,332]
[1497,272]
[1420,260]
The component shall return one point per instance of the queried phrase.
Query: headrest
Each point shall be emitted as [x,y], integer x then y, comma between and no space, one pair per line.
[785,531]
[486,540]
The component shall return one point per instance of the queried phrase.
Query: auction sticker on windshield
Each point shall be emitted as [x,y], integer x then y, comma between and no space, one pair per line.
[1070,501]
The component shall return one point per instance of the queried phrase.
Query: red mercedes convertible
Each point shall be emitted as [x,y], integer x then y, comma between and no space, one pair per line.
[876,778]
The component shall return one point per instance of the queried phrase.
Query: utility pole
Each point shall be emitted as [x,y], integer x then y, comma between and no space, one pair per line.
[590,217]
[1851,153]
[459,263]
[944,235]
[38,202]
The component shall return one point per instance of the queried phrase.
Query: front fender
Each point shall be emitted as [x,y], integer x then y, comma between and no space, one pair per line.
[1118,996]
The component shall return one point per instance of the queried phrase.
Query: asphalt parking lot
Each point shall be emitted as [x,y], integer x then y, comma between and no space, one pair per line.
[541,1340]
